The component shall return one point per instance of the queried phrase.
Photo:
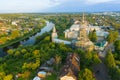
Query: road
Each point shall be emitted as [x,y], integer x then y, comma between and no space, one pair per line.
[100,70]
[104,52]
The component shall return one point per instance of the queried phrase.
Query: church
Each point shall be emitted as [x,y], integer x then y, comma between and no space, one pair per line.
[79,32]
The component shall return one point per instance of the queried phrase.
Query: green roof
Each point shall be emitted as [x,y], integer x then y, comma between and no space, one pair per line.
[101,44]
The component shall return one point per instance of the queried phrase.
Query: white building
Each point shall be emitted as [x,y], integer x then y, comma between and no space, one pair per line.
[14,23]
[55,38]
[73,31]
[36,78]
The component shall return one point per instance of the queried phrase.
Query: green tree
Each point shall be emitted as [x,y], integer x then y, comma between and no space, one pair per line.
[8,77]
[15,34]
[10,51]
[109,59]
[23,50]
[57,61]
[93,36]
[36,53]
[117,46]
[113,35]
[88,58]
[17,53]
[96,59]
[2,74]
[86,75]
[26,75]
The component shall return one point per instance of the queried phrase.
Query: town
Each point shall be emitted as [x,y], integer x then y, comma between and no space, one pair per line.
[79,46]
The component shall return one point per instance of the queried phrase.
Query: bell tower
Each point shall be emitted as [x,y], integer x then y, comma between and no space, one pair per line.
[54,34]
[83,36]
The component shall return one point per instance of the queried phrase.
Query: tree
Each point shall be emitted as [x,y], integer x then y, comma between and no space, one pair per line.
[86,75]
[2,74]
[109,59]
[26,75]
[93,36]
[96,59]
[113,35]
[10,51]
[17,53]
[117,46]
[47,38]
[23,50]
[3,40]
[36,53]
[88,58]
[15,34]
[88,55]
[57,61]
[8,77]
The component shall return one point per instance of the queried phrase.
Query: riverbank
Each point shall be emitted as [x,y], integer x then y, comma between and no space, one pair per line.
[11,42]
[29,39]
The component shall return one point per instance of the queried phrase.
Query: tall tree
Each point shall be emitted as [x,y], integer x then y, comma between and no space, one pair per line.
[113,35]
[109,59]
[93,36]
[117,46]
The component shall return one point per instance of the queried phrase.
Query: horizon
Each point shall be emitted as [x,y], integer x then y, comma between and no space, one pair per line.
[59,6]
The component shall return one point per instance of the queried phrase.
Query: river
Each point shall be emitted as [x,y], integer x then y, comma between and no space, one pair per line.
[30,40]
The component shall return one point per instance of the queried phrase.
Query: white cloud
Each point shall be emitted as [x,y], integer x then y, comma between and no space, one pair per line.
[41,5]
[27,5]
[97,1]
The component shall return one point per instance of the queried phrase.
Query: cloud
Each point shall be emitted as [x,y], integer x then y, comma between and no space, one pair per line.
[97,1]
[26,5]
[17,6]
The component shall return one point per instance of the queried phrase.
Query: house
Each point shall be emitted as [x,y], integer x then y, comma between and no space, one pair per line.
[36,78]
[42,74]
[71,68]
[101,45]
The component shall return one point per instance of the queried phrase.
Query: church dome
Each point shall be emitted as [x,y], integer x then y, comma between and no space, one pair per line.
[77,22]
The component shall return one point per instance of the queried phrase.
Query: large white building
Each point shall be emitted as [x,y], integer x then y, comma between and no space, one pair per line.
[73,31]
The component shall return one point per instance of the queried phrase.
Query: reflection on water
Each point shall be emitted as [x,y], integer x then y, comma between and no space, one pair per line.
[31,40]
[28,41]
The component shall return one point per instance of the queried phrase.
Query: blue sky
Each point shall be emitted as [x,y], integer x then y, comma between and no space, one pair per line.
[24,6]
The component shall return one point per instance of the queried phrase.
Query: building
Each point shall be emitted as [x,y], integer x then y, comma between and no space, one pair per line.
[14,23]
[83,40]
[36,78]
[101,45]
[55,39]
[79,32]
[54,34]
[74,30]
[71,68]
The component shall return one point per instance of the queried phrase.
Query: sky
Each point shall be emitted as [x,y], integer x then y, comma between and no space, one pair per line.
[37,6]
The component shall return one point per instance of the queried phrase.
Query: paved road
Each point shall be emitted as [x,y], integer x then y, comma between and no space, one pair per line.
[104,52]
[101,72]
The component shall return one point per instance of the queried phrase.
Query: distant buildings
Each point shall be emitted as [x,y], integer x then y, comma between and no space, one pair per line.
[14,23]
